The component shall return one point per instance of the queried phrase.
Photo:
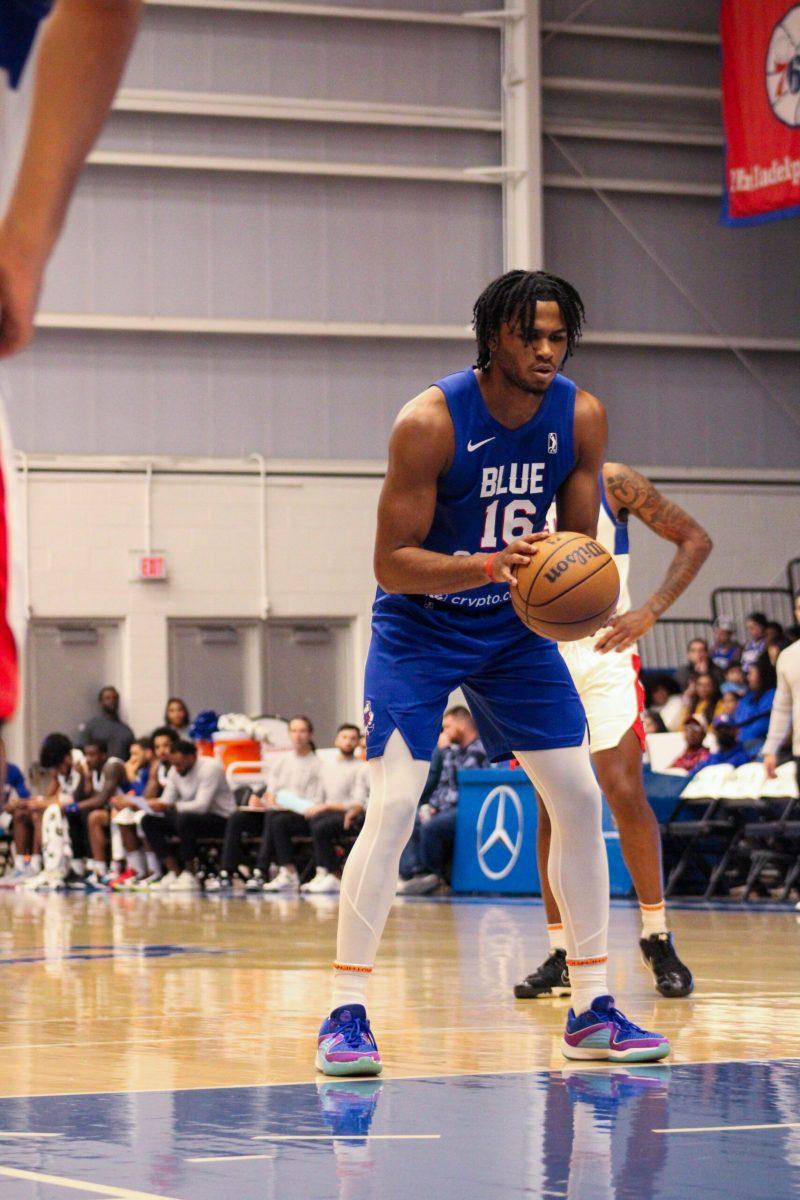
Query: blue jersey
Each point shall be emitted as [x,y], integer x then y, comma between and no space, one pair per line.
[501,481]
[19,20]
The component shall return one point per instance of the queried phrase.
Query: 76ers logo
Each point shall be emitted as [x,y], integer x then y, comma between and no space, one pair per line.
[369,718]
[783,68]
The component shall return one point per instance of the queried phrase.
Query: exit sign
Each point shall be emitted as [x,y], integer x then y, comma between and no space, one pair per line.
[151,567]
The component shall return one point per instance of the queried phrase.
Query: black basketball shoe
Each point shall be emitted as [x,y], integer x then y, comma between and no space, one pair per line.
[550,979]
[673,978]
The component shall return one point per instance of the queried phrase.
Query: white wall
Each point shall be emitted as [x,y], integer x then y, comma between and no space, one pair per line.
[85,518]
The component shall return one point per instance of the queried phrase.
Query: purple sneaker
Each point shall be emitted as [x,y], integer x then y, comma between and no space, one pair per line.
[346,1045]
[602,1032]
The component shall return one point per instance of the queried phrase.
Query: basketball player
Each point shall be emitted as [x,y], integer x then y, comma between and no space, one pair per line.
[82,51]
[605,670]
[474,463]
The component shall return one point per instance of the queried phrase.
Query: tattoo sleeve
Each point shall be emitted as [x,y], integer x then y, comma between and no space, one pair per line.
[631,491]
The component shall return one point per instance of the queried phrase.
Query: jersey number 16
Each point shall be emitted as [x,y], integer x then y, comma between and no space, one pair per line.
[515,519]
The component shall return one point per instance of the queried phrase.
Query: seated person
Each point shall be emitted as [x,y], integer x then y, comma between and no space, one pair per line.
[65,784]
[435,827]
[652,721]
[755,706]
[700,698]
[698,662]
[299,771]
[756,644]
[143,866]
[695,753]
[177,718]
[724,650]
[15,802]
[345,784]
[196,803]
[107,781]
[137,768]
[666,702]
[729,749]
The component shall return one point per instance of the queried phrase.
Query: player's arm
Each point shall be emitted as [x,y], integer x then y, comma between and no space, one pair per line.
[83,49]
[113,778]
[578,499]
[628,490]
[421,449]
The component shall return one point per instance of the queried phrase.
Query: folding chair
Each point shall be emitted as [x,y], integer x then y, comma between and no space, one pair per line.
[780,836]
[701,793]
[738,797]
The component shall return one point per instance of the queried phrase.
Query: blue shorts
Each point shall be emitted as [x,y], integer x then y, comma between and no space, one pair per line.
[517,684]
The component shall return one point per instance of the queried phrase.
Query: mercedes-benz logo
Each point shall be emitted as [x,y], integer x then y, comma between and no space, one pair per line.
[494,813]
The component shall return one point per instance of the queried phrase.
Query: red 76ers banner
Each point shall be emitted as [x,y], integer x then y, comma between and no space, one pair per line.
[761,109]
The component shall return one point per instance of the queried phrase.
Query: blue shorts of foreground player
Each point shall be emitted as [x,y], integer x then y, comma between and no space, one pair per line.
[517,684]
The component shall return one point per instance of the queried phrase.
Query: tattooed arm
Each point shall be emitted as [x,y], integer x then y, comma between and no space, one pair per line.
[628,491]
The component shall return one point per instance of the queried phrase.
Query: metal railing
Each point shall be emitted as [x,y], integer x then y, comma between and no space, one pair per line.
[736,603]
[664,647]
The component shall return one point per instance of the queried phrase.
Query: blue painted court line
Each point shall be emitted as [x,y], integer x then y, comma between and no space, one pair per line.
[626,1133]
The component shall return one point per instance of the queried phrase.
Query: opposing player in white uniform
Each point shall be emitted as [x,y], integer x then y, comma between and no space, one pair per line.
[605,669]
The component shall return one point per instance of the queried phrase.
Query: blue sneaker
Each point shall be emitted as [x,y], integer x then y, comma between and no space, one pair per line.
[603,1033]
[346,1045]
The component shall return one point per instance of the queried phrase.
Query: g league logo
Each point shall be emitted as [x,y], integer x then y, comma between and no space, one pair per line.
[783,68]
[505,832]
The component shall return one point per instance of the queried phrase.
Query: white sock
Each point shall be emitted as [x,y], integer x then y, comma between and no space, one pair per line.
[654,918]
[153,865]
[136,861]
[98,867]
[578,865]
[555,935]
[36,863]
[369,880]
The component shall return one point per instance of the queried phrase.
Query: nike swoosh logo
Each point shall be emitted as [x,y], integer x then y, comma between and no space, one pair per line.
[477,445]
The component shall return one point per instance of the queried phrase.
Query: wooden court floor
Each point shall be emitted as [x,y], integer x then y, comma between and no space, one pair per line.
[114,993]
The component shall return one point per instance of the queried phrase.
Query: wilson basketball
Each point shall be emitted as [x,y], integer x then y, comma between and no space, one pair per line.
[569,589]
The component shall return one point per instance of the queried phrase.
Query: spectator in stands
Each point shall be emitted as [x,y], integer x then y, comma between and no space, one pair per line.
[753,710]
[652,721]
[776,640]
[177,717]
[666,702]
[736,680]
[729,749]
[299,772]
[196,803]
[436,820]
[698,662]
[728,703]
[725,649]
[107,726]
[107,779]
[695,753]
[345,783]
[756,644]
[143,866]
[137,768]
[700,698]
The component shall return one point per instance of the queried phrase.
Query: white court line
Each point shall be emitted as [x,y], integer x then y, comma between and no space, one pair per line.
[80,1185]
[229,1158]
[346,1137]
[729,1128]
[11,1134]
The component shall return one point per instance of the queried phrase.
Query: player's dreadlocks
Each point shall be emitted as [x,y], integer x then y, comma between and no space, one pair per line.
[513,298]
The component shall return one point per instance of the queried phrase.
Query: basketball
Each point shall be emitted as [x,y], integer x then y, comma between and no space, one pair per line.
[568,590]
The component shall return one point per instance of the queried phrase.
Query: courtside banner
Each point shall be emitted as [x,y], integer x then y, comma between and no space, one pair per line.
[761,110]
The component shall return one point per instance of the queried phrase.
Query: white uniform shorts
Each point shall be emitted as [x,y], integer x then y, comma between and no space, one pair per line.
[612,695]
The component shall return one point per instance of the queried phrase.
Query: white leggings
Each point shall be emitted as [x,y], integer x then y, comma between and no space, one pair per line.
[578,868]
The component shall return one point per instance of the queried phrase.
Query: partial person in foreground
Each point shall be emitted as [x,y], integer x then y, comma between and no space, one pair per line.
[605,669]
[474,464]
[82,53]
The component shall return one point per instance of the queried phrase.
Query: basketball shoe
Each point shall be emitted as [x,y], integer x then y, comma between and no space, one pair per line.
[346,1045]
[673,978]
[603,1033]
[550,979]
